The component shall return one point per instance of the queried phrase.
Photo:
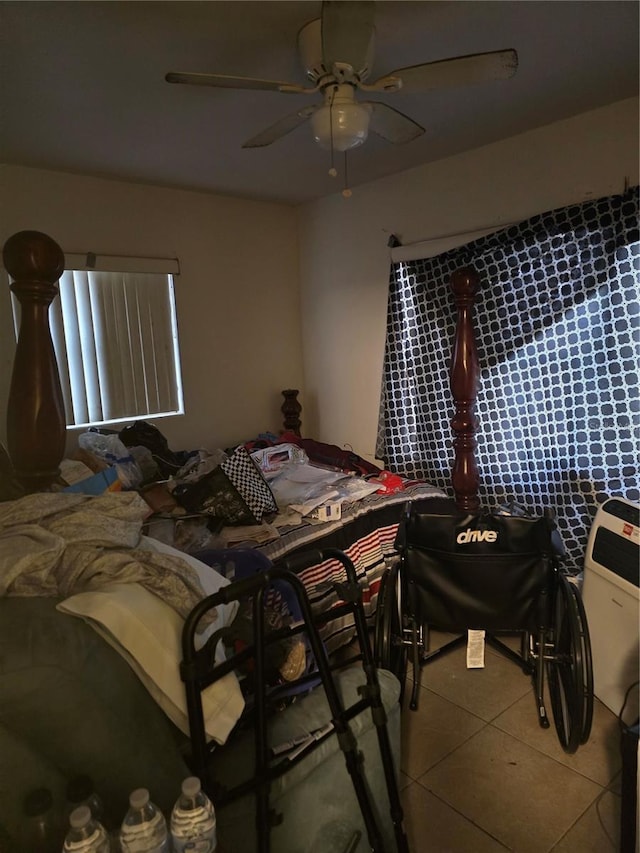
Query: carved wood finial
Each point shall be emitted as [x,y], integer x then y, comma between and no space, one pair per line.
[35,409]
[464,378]
[291,409]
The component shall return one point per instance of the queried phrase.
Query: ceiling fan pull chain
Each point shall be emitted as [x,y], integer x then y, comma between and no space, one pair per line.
[346,192]
[332,171]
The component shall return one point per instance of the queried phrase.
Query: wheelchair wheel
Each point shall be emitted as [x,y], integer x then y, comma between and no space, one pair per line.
[389,649]
[587,665]
[569,669]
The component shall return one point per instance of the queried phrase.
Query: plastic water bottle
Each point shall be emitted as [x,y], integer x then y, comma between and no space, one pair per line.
[86,835]
[81,792]
[193,820]
[144,829]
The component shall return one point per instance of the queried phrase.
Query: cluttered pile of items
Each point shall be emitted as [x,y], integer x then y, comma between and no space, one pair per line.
[201,497]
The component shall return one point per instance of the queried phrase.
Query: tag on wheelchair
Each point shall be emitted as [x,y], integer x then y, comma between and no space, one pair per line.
[475,649]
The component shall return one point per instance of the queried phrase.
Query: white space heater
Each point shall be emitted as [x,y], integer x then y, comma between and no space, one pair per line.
[611,598]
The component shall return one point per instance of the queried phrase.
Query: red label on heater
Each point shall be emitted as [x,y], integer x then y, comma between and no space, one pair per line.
[627,529]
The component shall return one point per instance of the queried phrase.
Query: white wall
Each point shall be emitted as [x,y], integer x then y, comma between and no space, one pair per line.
[238,301]
[237,294]
[345,260]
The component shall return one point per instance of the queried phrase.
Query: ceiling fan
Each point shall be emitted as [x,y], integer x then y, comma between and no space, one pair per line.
[336,51]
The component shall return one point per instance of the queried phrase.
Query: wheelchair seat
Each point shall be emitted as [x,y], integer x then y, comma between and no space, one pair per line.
[495,573]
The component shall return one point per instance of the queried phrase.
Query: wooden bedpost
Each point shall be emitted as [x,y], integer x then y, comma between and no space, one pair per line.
[464,378]
[291,409]
[35,409]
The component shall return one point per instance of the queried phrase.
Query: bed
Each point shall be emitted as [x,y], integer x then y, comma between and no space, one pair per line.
[107,713]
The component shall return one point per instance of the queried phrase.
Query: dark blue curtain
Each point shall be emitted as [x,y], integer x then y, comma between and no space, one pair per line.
[557,325]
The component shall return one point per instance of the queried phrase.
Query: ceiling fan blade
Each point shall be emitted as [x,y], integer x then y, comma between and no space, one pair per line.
[459,71]
[391,124]
[223,81]
[347,33]
[281,128]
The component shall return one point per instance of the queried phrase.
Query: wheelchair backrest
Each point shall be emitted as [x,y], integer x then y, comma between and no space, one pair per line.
[481,572]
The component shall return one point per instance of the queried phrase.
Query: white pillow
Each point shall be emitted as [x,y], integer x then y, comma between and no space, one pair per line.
[147,633]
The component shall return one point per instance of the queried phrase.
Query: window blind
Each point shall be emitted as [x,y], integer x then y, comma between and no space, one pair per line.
[115,336]
[116,342]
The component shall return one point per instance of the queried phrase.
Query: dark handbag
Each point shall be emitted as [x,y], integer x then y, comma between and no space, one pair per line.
[235,492]
[478,572]
[144,434]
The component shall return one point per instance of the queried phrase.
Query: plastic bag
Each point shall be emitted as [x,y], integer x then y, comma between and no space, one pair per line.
[113,451]
[273,460]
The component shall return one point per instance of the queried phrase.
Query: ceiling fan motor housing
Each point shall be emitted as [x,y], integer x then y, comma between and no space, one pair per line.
[310,50]
[336,52]
[342,123]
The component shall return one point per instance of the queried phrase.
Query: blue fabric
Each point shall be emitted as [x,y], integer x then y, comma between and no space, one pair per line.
[238,563]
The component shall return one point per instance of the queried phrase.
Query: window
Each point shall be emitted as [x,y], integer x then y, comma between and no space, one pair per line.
[116,340]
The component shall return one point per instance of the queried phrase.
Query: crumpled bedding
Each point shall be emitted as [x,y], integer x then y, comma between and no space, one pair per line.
[58,544]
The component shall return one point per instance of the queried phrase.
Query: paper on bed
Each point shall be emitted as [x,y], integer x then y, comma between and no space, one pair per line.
[305,487]
[327,504]
[325,497]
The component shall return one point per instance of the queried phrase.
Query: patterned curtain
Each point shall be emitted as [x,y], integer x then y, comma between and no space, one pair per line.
[558,333]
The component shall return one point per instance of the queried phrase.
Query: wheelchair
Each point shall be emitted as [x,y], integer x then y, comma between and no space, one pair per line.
[500,574]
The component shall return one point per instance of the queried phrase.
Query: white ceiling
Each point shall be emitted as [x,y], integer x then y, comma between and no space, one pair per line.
[83,86]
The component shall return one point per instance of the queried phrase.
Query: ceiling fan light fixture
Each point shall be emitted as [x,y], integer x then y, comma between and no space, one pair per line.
[340,126]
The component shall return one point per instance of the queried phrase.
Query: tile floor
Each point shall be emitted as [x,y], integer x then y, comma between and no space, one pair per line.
[479,775]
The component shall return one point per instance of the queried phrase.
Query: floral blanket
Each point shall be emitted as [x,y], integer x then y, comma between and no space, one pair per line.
[58,544]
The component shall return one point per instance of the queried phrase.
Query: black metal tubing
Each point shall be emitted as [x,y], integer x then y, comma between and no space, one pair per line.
[261,745]
[353,594]
[197,672]
[629,798]
[345,737]
[378,712]
[417,666]
[543,718]
[275,770]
